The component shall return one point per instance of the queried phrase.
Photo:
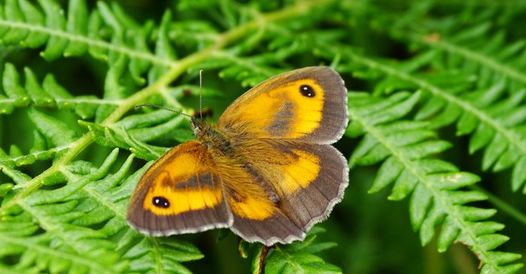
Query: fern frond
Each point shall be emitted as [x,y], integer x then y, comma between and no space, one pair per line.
[118,137]
[496,120]
[62,245]
[51,136]
[105,33]
[458,45]
[299,257]
[438,198]
[79,228]
[48,94]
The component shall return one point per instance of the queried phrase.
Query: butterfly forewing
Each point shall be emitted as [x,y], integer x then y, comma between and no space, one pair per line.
[182,192]
[307,105]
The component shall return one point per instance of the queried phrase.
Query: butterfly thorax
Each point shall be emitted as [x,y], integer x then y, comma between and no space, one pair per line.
[210,137]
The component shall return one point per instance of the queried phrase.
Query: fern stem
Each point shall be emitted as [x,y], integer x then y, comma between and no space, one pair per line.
[156,256]
[502,205]
[39,180]
[8,101]
[70,103]
[92,101]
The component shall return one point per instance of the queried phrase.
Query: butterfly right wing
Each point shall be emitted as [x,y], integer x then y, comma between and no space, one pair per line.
[256,216]
[180,193]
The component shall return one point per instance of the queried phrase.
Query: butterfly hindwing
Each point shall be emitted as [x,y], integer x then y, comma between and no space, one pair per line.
[307,105]
[180,193]
[308,179]
[276,228]
[253,204]
[312,183]
[278,197]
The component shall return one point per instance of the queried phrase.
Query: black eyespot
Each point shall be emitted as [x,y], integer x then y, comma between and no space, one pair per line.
[307,91]
[159,201]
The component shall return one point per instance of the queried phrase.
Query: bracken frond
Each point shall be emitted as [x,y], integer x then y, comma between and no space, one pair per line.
[439,199]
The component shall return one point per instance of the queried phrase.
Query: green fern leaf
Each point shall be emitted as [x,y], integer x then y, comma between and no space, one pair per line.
[495,122]
[299,257]
[498,65]
[436,188]
[48,94]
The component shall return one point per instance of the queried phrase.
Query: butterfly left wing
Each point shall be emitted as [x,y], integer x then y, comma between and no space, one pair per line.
[180,193]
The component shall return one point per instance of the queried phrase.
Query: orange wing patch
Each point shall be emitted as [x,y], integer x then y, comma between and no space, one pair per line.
[173,183]
[184,165]
[180,200]
[289,111]
[252,208]
[284,112]
[300,172]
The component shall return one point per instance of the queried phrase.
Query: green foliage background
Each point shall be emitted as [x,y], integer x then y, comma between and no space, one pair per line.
[437,103]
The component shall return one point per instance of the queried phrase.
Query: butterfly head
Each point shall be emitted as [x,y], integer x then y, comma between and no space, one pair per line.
[199,127]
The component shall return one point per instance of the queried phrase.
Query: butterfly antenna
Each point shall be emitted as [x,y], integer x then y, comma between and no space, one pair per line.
[201,94]
[178,111]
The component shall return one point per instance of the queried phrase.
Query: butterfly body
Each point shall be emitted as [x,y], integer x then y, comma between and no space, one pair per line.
[214,140]
[229,151]
[266,170]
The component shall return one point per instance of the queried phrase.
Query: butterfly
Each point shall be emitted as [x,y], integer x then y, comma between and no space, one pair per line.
[266,170]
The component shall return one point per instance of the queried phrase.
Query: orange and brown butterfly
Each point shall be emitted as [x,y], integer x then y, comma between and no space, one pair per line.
[266,170]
